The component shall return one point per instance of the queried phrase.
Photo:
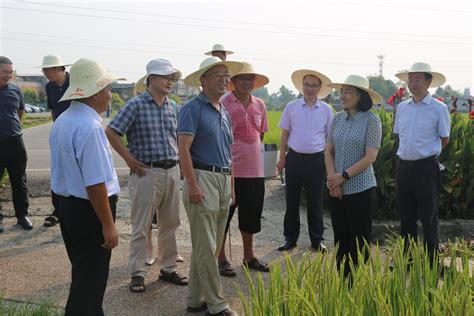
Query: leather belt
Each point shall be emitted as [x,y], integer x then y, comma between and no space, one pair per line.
[223,170]
[419,161]
[164,164]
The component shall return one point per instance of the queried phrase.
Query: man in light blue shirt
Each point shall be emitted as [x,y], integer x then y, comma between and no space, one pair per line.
[423,126]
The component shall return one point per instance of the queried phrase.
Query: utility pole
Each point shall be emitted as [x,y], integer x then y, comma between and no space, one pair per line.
[381,57]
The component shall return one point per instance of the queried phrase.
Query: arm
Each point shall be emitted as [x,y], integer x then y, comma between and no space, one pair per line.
[444,141]
[98,197]
[184,145]
[20,115]
[134,164]
[283,143]
[53,116]
[335,191]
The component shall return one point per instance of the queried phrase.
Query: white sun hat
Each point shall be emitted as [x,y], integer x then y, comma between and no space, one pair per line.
[361,83]
[161,67]
[438,78]
[218,48]
[87,78]
[193,80]
[260,80]
[50,61]
[298,76]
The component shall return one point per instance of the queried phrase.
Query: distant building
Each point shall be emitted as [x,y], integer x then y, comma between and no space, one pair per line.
[184,92]
[125,90]
[31,81]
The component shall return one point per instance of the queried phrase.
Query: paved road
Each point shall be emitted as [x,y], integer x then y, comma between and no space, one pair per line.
[39,159]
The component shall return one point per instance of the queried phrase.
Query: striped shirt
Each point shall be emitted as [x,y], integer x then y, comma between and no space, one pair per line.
[247,126]
[150,128]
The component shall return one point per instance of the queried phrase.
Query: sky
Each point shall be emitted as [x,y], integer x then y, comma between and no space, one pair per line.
[277,37]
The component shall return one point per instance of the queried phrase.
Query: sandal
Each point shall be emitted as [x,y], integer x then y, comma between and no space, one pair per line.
[51,221]
[173,277]
[225,269]
[258,265]
[137,284]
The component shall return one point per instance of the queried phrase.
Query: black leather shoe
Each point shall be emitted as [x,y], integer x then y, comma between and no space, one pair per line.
[287,245]
[319,247]
[199,309]
[25,223]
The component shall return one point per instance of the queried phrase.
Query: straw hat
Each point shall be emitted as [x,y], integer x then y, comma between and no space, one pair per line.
[193,80]
[438,78]
[50,61]
[361,83]
[260,80]
[298,75]
[218,48]
[87,78]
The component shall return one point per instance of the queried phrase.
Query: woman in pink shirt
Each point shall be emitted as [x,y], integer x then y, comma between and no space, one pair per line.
[249,123]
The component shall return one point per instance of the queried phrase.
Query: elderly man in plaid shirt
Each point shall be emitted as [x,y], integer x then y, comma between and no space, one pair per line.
[150,121]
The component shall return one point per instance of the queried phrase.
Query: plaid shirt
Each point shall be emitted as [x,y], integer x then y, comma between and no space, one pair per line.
[150,129]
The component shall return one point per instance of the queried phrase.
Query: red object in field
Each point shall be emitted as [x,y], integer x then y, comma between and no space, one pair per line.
[472,115]
[441,99]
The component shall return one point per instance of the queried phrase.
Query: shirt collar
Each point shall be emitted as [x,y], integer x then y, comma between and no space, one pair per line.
[148,97]
[355,117]
[317,104]
[87,110]
[235,99]
[426,99]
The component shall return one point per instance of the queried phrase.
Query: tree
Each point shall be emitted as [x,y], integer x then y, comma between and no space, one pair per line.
[384,87]
[117,102]
[175,98]
[447,92]
[262,93]
[285,95]
[31,96]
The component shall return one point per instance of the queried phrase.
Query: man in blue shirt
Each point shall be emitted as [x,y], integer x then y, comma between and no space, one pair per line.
[55,70]
[12,149]
[423,126]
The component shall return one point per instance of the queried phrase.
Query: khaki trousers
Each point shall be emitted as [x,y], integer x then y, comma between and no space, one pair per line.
[207,221]
[157,191]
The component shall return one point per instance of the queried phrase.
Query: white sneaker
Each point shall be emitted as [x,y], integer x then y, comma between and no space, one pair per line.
[179,258]
[150,261]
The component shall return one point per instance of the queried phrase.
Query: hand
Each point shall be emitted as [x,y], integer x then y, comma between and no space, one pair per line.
[336,192]
[110,236]
[281,164]
[232,197]
[195,194]
[334,180]
[136,166]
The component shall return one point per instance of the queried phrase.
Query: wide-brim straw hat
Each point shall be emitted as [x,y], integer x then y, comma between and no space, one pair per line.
[361,83]
[193,80]
[438,78]
[298,76]
[50,61]
[87,78]
[140,85]
[218,48]
[260,80]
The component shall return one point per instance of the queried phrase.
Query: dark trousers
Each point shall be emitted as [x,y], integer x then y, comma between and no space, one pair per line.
[55,202]
[306,170]
[418,187]
[83,238]
[351,219]
[13,157]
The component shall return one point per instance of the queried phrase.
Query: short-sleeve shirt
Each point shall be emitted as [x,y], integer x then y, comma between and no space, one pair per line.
[420,126]
[350,136]
[211,130]
[150,128]
[308,126]
[248,123]
[54,93]
[11,101]
[80,153]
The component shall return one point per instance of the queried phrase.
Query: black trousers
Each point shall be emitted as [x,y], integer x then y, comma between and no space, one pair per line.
[351,219]
[418,187]
[82,234]
[13,157]
[306,170]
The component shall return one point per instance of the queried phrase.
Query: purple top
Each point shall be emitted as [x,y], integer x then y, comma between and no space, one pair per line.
[308,126]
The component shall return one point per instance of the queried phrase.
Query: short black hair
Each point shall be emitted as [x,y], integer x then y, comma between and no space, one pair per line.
[428,76]
[320,82]
[5,61]
[365,103]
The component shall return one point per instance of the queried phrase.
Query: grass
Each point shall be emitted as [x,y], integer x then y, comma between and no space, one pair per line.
[313,286]
[273,134]
[16,308]
[32,121]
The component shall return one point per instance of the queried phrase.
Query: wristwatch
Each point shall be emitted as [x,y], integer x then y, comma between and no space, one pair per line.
[345,175]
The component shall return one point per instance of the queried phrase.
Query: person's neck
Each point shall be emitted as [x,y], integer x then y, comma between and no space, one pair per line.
[158,97]
[214,99]
[420,97]
[310,101]
[243,98]
[61,80]
[90,103]
[352,112]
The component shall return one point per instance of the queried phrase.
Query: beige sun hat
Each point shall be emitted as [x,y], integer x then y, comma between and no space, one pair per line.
[298,76]
[438,78]
[218,48]
[50,61]
[361,83]
[87,78]
[193,80]
[260,80]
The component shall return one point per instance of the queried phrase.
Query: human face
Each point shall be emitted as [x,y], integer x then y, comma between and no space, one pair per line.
[311,87]
[52,73]
[417,84]
[349,97]
[219,54]
[103,98]
[215,81]
[6,74]
[243,84]
[162,84]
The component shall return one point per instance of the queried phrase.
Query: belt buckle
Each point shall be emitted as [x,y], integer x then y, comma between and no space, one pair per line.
[225,170]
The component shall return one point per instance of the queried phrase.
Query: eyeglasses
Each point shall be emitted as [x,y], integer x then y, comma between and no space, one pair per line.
[171,78]
[219,75]
[311,86]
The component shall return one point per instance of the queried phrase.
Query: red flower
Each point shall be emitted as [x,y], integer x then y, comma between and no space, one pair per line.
[472,115]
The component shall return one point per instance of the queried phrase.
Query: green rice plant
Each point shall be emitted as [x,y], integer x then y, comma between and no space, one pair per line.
[16,308]
[272,136]
[393,281]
